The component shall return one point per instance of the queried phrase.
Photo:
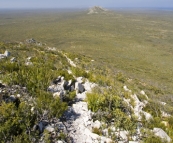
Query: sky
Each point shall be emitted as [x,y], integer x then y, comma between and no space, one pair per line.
[83,3]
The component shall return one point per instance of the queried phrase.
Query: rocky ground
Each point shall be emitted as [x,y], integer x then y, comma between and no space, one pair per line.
[76,123]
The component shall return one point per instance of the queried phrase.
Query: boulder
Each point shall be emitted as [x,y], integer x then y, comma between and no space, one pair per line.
[55,88]
[62,78]
[147,115]
[79,79]
[97,124]
[49,129]
[79,87]
[69,71]
[123,135]
[59,141]
[28,59]
[105,132]
[60,126]
[2,56]
[6,53]
[87,86]
[41,127]
[105,140]
[164,114]
[13,59]
[69,83]
[18,95]
[162,134]
[28,63]
[72,88]
[30,41]
[125,88]
[58,94]
[12,98]
[32,109]
[142,92]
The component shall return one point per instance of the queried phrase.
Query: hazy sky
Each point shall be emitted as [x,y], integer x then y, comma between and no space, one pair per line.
[83,3]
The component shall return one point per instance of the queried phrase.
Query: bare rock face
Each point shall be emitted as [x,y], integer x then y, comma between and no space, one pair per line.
[96,10]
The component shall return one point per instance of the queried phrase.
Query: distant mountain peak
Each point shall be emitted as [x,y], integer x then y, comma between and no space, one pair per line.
[97,9]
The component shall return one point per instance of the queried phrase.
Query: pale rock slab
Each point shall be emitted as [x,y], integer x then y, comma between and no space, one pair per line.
[162,134]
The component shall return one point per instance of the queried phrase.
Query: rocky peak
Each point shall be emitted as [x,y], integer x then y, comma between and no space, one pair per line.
[97,9]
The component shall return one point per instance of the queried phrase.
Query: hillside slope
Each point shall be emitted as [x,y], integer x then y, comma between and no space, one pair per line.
[49,95]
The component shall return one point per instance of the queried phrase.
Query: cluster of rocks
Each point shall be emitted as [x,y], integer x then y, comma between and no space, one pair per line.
[13,94]
[138,111]
[5,55]
[33,41]
[59,87]
[77,120]
[28,61]
[79,124]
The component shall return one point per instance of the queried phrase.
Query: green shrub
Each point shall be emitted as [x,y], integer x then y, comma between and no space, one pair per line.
[153,139]
[120,77]
[69,96]
[45,101]
[15,121]
[154,108]
[79,72]
[94,101]
[97,131]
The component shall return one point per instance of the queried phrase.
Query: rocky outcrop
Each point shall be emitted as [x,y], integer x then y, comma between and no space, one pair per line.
[33,41]
[30,41]
[97,9]
[79,124]
[5,55]
[160,133]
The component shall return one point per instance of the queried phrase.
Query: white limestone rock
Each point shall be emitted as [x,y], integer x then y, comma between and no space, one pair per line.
[28,63]
[89,85]
[79,79]
[123,135]
[79,87]
[162,134]
[49,129]
[105,132]
[7,53]
[18,95]
[148,116]
[142,92]
[55,88]
[163,103]
[13,59]
[97,124]
[2,56]
[126,89]
[32,109]
[164,114]
[59,141]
